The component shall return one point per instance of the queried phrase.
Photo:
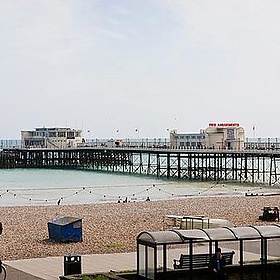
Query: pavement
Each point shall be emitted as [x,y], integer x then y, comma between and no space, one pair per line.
[15,274]
[51,268]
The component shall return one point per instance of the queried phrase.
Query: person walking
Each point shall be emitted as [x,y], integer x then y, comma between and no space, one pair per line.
[216,265]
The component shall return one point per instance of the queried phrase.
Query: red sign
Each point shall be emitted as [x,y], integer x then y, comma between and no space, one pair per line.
[223,124]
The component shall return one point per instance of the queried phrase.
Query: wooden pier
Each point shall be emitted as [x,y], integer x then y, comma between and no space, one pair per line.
[7,159]
[256,166]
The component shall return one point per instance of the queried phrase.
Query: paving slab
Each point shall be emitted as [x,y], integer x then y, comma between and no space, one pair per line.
[15,274]
[51,268]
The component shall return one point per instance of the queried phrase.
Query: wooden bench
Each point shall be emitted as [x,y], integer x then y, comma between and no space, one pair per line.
[199,260]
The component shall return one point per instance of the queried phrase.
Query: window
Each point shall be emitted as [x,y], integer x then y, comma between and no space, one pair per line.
[71,135]
[61,134]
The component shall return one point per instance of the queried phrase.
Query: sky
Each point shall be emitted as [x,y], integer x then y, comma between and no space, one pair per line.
[139,68]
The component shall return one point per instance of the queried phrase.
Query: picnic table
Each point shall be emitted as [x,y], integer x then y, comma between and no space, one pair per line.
[186,221]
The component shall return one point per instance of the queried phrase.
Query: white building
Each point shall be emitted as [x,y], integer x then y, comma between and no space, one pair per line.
[224,136]
[187,140]
[53,138]
[216,136]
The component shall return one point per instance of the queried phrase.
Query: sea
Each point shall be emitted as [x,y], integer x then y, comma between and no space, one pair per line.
[20,187]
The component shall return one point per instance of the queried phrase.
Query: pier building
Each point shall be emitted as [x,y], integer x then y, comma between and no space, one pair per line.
[229,136]
[225,136]
[53,137]
[187,140]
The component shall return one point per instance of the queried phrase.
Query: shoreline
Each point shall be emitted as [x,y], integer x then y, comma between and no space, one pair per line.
[113,227]
[62,201]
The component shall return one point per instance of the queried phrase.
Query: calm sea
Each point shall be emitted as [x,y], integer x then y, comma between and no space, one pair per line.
[50,187]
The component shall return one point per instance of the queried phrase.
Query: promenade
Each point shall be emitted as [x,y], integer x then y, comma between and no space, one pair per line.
[52,267]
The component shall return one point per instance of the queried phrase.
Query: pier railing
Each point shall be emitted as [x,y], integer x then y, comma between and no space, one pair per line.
[269,143]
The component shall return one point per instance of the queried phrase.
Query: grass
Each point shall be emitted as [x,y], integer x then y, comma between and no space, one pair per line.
[100,277]
[114,245]
[96,277]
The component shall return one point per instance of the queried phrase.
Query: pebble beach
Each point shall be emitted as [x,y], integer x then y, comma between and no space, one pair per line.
[113,227]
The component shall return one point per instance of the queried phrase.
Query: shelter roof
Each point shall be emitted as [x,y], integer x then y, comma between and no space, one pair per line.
[159,237]
[210,234]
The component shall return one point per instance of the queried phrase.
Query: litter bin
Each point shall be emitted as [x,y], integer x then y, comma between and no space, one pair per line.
[72,264]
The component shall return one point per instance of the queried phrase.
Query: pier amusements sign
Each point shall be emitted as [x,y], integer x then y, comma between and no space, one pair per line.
[223,125]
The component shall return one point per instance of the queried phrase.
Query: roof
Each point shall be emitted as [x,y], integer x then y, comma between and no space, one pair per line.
[160,237]
[65,221]
[210,234]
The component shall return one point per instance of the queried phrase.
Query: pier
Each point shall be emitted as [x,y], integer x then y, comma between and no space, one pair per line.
[7,159]
[255,166]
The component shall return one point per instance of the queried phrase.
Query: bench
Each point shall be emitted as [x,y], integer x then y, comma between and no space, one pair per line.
[199,260]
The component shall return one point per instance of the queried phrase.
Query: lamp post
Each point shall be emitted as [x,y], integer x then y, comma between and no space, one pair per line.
[117,134]
[168,136]
[137,131]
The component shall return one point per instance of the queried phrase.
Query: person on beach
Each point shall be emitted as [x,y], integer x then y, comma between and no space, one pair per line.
[216,265]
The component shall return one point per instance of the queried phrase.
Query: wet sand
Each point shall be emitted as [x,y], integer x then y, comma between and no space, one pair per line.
[113,227]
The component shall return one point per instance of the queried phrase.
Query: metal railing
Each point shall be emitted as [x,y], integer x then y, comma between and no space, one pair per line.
[158,143]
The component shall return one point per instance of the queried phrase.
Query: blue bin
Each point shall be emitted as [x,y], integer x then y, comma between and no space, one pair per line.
[66,229]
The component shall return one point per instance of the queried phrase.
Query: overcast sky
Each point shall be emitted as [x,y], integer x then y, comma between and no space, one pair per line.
[117,68]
